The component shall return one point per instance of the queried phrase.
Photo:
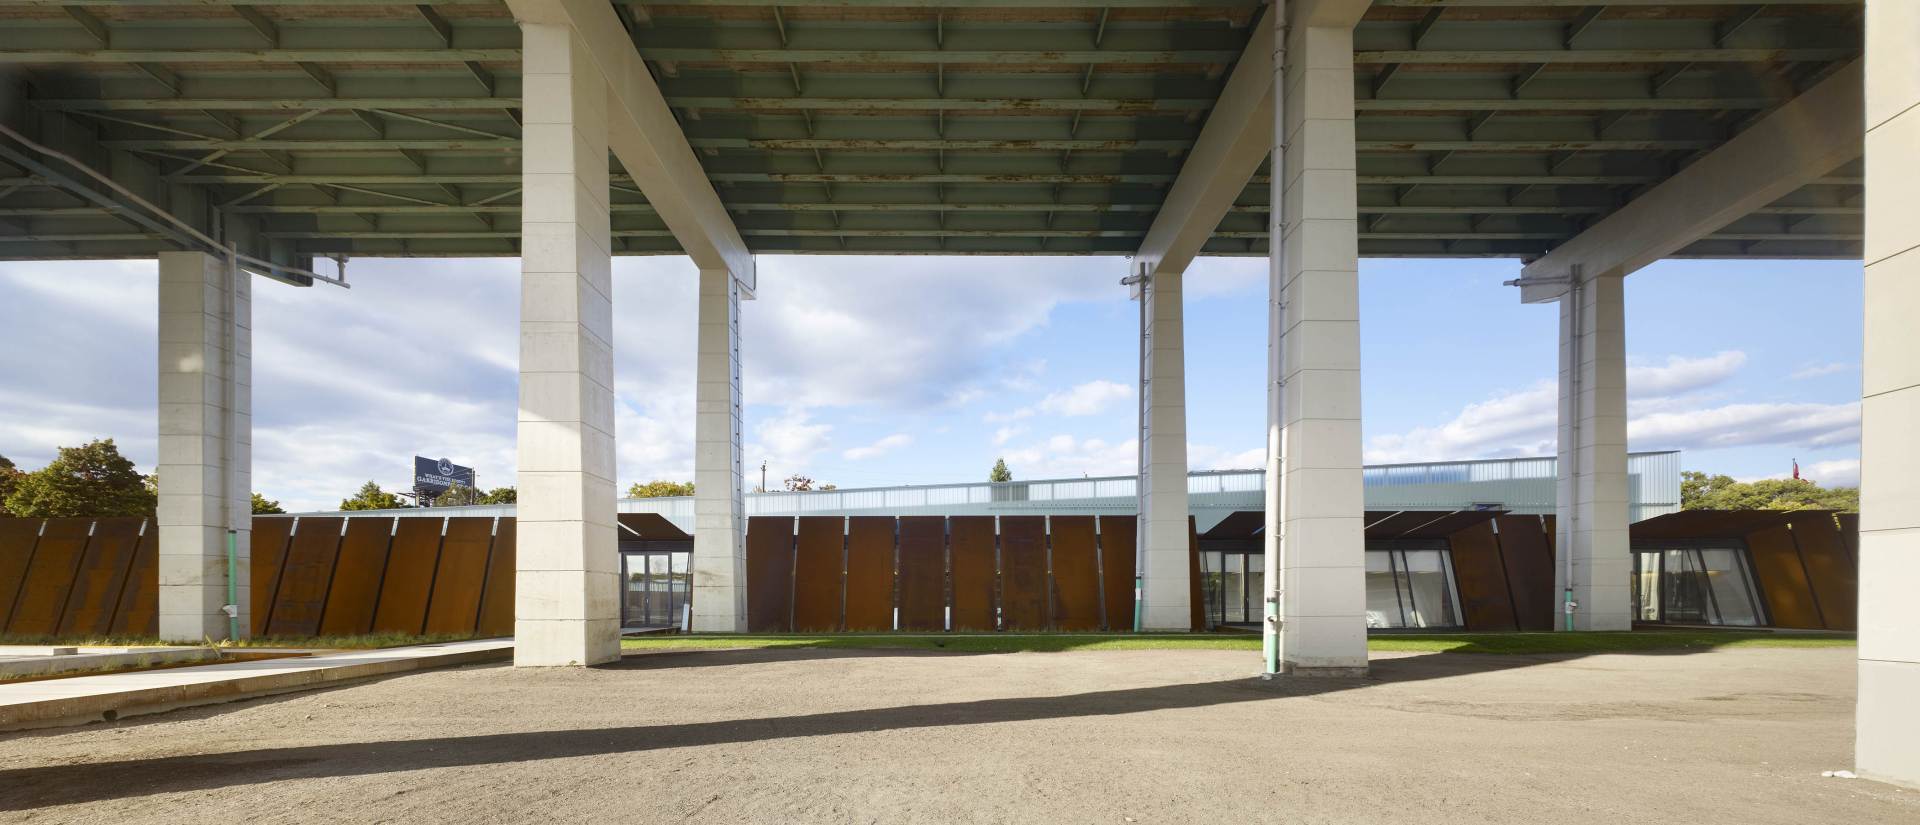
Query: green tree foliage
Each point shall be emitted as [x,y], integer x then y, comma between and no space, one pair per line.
[500,495]
[90,480]
[263,506]
[9,476]
[1699,491]
[1000,472]
[371,497]
[457,496]
[660,489]
[798,483]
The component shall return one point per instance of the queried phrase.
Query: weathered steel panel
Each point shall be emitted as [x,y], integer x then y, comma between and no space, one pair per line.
[1197,607]
[355,590]
[17,537]
[43,595]
[454,606]
[496,602]
[1783,581]
[1023,572]
[770,574]
[1849,537]
[1118,554]
[267,552]
[870,553]
[1481,577]
[1526,551]
[819,559]
[305,577]
[649,527]
[409,581]
[923,573]
[102,574]
[138,613]
[1076,574]
[1830,570]
[974,578]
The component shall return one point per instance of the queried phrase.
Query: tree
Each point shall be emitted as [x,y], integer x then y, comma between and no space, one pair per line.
[1000,472]
[457,495]
[500,495]
[263,506]
[371,497]
[1699,491]
[90,480]
[9,476]
[798,483]
[660,489]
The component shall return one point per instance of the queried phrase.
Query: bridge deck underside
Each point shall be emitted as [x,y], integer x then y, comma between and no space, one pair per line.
[895,126]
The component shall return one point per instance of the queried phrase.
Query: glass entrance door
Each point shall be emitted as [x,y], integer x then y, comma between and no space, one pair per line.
[653,588]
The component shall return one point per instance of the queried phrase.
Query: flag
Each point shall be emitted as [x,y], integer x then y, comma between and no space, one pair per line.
[1796,469]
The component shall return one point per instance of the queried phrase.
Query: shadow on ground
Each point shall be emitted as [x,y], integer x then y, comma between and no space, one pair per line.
[70,784]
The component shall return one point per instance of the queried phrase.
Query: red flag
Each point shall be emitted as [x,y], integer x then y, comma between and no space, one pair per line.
[1796,469]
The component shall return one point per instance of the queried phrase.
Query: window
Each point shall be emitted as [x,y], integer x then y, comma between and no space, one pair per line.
[1411,588]
[1696,585]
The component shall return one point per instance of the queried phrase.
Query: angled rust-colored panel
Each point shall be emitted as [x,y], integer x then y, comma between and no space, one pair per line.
[102,574]
[1481,577]
[649,526]
[923,573]
[409,580]
[1836,582]
[138,613]
[770,574]
[870,573]
[1023,573]
[1849,538]
[1783,581]
[819,557]
[1526,551]
[356,577]
[305,577]
[1117,557]
[267,552]
[17,537]
[1240,524]
[454,606]
[1705,524]
[43,594]
[1076,574]
[1198,621]
[971,543]
[496,600]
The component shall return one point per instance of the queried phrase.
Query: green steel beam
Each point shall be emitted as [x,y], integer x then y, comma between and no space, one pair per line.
[1587,56]
[260,56]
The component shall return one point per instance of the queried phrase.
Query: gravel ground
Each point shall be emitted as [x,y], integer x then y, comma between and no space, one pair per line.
[1731,736]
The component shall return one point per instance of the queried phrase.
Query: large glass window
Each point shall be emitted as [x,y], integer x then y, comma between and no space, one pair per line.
[1411,588]
[1696,585]
[654,588]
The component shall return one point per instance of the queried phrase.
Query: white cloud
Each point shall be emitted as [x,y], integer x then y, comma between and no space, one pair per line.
[1844,472]
[1208,457]
[1008,433]
[1064,456]
[1818,370]
[878,448]
[1743,425]
[1091,398]
[1681,374]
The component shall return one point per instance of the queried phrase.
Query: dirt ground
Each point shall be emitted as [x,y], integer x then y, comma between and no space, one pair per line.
[781,736]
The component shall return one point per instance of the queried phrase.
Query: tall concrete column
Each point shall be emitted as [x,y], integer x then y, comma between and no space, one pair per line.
[1165,540]
[206,445]
[1591,516]
[1888,717]
[565,605]
[1314,447]
[719,516]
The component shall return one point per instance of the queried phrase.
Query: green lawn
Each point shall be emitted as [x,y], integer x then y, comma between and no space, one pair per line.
[1423,643]
[357,642]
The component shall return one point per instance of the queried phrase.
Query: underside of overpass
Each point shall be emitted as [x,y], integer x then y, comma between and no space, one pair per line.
[1587,139]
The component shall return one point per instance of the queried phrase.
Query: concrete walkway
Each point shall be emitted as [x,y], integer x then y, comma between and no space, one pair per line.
[84,699]
[42,660]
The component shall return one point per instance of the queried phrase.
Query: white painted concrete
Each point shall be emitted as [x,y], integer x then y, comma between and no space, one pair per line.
[719,531]
[1591,518]
[1887,735]
[206,341]
[1164,537]
[566,609]
[1315,334]
[1789,148]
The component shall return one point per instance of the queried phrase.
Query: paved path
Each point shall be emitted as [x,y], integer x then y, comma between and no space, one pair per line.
[85,699]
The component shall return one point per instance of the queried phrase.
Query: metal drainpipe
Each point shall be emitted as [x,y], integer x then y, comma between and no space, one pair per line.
[228,442]
[1276,499]
[1575,332]
[1140,480]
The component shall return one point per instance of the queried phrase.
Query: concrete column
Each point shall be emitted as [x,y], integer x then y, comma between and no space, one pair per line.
[1887,737]
[1591,520]
[566,610]
[1163,534]
[1314,333]
[719,510]
[206,393]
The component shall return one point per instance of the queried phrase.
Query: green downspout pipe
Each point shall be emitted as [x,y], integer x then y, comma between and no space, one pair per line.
[233,588]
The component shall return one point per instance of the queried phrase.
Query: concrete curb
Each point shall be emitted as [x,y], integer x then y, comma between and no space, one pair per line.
[85,699]
[46,664]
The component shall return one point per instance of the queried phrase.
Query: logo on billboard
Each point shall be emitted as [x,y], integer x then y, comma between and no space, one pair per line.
[432,476]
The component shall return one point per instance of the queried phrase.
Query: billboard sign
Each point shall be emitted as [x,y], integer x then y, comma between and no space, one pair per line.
[432,476]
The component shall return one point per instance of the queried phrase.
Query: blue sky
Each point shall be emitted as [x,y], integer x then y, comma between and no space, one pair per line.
[867,371]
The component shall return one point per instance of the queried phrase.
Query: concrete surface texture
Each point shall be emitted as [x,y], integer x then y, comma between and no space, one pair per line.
[1737,736]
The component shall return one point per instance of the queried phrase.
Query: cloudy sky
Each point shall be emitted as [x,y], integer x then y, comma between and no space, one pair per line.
[871,371]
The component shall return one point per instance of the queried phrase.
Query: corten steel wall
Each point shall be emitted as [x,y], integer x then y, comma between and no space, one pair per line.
[1075,568]
[923,572]
[1023,573]
[1480,576]
[974,560]
[408,581]
[355,591]
[1830,569]
[305,577]
[50,573]
[1526,554]
[770,574]
[871,544]
[268,551]
[101,578]
[1805,563]
[819,557]
[17,538]
[138,611]
[1117,560]
[454,605]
